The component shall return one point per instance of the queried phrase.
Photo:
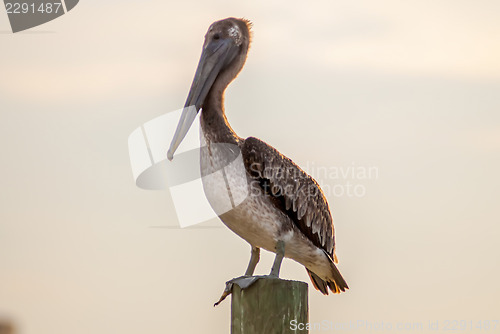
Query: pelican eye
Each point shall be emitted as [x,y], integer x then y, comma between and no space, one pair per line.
[216,36]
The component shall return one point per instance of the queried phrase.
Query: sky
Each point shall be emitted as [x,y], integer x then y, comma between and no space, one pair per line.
[409,90]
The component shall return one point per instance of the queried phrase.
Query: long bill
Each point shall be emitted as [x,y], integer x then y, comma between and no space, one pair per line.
[216,54]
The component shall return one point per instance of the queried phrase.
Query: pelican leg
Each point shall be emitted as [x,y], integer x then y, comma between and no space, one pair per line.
[280,253]
[245,280]
[254,259]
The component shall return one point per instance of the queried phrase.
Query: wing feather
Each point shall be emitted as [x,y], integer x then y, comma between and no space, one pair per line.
[298,191]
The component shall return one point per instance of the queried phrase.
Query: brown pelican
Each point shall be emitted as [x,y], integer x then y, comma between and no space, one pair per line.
[285,211]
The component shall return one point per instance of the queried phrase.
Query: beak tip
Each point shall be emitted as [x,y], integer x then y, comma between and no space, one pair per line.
[170,155]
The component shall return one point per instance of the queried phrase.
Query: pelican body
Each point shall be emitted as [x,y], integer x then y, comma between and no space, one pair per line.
[280,208]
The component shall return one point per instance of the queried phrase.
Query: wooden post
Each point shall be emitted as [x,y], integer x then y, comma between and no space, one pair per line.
[270,305]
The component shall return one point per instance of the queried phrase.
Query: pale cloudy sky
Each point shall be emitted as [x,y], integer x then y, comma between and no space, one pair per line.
[410,87]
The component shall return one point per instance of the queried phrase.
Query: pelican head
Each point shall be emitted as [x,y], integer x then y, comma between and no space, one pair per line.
[222,58]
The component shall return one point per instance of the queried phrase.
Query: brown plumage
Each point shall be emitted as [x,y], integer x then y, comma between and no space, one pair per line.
[300,196]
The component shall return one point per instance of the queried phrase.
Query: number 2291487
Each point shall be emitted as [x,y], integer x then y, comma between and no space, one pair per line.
[32,8]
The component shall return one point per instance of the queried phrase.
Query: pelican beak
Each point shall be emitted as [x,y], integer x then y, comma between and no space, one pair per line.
[217,53]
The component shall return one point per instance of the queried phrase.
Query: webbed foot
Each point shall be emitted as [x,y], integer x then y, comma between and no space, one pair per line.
[243,282]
